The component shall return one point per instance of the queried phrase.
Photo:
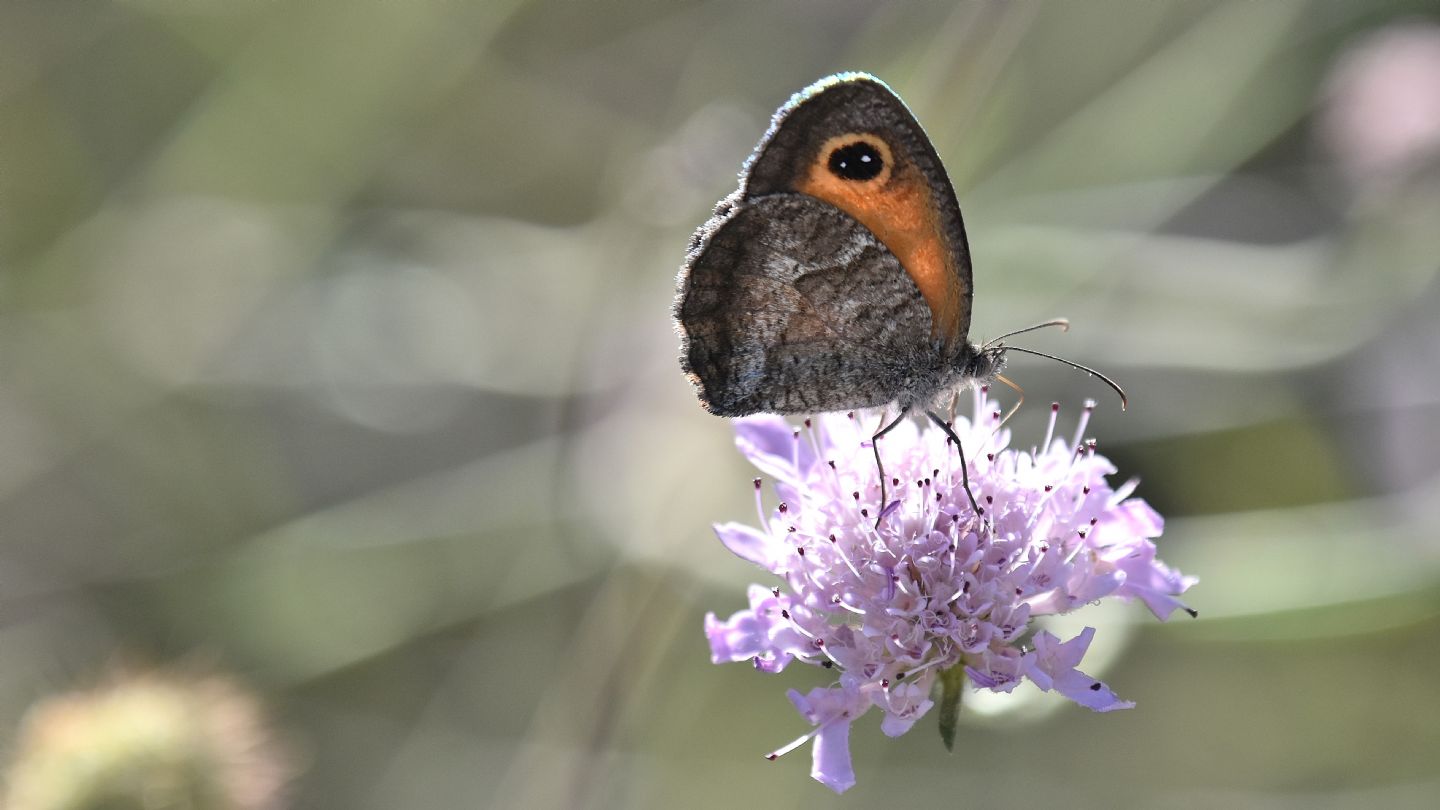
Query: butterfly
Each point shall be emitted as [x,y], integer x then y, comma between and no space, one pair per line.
[838,275]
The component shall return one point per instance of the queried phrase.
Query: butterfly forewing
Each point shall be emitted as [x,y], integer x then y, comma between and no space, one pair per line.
[901,192]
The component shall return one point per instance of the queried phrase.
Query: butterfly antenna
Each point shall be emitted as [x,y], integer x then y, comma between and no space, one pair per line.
[1124,401]
[1063,323]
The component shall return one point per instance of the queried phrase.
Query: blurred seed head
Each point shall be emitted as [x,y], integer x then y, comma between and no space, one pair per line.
[147,740]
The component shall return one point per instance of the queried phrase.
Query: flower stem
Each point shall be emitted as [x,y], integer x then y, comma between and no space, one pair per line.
[952,682]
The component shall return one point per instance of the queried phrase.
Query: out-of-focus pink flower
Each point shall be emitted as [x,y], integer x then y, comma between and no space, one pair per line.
[1382,107]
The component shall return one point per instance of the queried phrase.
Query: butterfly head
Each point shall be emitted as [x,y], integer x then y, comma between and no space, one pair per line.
[980,363]
[985,361]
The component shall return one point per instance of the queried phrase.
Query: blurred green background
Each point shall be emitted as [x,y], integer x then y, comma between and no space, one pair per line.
[335,351]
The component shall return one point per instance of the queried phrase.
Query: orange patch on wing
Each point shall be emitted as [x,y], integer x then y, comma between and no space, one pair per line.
[896,205]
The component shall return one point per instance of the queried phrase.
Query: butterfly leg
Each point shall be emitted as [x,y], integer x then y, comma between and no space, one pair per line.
[964,468]
[879,467]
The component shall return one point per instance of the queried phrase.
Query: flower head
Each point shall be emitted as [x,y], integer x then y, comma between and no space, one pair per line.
[935,587]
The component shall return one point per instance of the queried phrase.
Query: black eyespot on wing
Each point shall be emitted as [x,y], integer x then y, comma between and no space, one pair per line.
[856,161]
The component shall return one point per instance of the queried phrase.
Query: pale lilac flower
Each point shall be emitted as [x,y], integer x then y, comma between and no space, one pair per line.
[936,587]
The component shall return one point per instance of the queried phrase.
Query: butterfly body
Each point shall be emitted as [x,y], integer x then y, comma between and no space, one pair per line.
[837,276]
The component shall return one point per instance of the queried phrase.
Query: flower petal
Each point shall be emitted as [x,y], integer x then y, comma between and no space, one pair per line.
[1138,518]
[748,543]
[761,634]
[1153,582]
[830,765]
[833,710]
[770,443]
[1090,693]
[1052,667]
[742,638]
[905,704]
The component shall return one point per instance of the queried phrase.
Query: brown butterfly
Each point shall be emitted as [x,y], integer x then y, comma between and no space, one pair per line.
[837,276]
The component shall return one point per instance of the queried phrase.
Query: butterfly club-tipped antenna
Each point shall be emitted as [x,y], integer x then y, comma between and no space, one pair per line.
[1064,324]
[1114,386]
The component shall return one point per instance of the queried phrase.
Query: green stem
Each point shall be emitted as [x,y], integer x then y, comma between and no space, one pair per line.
[952,683]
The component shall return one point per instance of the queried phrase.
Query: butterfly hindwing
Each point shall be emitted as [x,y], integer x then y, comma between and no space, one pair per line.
[788,305]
